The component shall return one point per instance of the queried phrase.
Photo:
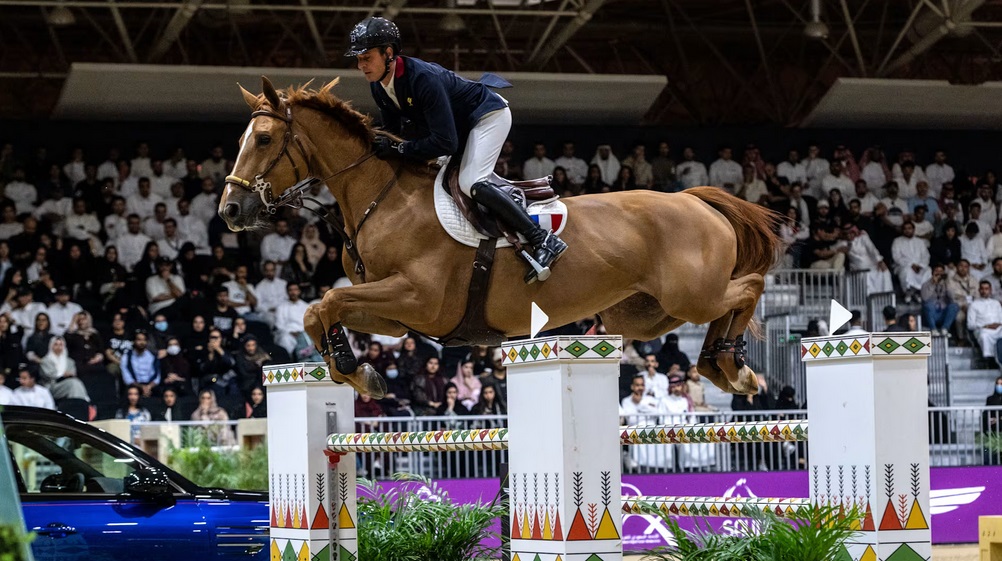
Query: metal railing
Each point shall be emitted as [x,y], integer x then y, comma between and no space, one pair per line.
[777,354]
[806,293]
[875,304]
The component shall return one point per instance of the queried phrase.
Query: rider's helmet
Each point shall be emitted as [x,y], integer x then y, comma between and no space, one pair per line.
[371,33]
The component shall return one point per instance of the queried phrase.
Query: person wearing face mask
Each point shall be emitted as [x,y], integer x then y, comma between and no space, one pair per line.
[397,402]
[175,368]
[159,335]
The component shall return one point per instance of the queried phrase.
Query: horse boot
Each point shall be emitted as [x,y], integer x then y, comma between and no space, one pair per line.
[336,345]
[548,246]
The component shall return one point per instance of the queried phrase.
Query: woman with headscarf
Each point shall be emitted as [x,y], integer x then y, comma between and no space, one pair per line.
[593,182]
[315,247]
[59,373]
[133,412]
[428,388]
[147,265]
[257,405]
[11,352]
[329,269]
[175,369]
[249,364]
[209,410]
[109,278]
[298,270]
[37,344]
[467,384]
[607,163]
[85,345]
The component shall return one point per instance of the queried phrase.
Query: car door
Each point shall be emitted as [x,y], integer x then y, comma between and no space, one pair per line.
[72,484]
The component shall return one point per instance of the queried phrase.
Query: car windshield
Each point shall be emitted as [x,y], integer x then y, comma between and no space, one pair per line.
[58,459]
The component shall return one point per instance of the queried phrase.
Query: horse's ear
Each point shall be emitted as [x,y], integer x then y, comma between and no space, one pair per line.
[249,98]
[270,94]
[330,85]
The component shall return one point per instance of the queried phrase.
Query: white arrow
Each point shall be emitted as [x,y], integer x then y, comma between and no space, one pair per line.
[838,317]
[537,320]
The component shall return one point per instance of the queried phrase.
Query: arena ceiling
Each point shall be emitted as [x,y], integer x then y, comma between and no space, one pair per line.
[725,61]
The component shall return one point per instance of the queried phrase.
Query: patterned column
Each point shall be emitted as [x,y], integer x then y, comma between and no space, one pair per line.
[869,445]
[310,502]
[565,471]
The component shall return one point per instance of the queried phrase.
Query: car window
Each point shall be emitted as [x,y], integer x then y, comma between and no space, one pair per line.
[56,459]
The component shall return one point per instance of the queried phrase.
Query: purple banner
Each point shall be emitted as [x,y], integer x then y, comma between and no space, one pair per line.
[959,495]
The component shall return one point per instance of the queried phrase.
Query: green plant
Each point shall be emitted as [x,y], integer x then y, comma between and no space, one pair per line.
[400,525]
[819,535]
[196,459]
[13,543]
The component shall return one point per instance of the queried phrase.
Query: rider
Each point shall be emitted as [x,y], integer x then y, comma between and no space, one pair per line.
[441,113]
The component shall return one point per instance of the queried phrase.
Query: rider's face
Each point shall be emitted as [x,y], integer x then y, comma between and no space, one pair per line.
[372,63]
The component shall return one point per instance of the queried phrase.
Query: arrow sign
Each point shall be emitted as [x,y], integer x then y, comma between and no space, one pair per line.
[537,320]
[838,317]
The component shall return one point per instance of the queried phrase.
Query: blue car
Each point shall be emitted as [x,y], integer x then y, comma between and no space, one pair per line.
[90,496]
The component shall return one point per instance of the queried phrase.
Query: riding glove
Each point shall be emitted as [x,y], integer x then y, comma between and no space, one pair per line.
[383,147]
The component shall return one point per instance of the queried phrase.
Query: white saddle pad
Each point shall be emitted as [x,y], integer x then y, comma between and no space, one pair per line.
[548,213]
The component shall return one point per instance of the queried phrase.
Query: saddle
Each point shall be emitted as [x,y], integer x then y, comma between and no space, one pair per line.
[521,191]
[473,328]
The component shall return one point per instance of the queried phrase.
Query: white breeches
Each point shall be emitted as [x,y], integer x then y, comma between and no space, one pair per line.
[483,147]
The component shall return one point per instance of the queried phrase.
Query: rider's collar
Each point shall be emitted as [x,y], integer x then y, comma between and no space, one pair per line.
[398,71]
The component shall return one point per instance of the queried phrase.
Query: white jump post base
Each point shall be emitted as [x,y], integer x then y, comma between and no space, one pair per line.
[313,511]
[564,466]
[868,410]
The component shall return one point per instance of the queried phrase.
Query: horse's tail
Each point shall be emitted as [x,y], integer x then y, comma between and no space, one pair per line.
[758,243]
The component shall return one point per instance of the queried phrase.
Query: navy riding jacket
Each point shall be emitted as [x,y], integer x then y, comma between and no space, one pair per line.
[437,108]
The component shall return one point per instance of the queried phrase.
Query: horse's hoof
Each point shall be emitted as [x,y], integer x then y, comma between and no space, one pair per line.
[369,382]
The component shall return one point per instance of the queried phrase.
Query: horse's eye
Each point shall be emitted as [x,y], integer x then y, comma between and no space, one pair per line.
[263,140]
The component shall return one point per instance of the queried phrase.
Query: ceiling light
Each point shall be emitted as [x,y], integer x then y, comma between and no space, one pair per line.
[451,22]
[62,16]
[816,30]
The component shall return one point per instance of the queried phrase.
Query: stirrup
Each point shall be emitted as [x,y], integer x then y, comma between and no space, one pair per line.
[537,271]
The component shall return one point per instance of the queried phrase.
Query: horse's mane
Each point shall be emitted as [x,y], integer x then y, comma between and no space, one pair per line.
[323,100]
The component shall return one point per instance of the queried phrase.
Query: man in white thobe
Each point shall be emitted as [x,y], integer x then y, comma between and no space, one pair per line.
[815,167]
[976,215]
[911,261]
[577,169]
[277,245]
[792,169]
[641,409]
[270,292]
[21,192]
[963,289]
[863,256]
[989,213]
[939,172]
[655,383]
[62,312]
[908,182]
[145,202]
[132,243]
[866,198]
[836,179]
[984,319]
[973,249]
[289,319]
[690,172]
[725,172]
[192,229]
[607,163]
[538,165]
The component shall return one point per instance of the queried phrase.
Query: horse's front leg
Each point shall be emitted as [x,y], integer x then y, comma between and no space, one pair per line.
[372,307]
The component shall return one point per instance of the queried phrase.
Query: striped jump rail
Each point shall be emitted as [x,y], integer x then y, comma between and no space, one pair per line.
[716,507]
[497,439]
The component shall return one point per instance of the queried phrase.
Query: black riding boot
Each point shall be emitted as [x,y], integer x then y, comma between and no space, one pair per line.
[548,246]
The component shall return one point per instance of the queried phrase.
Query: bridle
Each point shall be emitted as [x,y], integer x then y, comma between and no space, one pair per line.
[292,197]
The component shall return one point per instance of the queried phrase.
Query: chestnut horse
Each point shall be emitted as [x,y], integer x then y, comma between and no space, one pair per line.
[645,261]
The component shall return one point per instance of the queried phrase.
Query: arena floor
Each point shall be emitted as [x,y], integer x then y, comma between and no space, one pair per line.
[967,552]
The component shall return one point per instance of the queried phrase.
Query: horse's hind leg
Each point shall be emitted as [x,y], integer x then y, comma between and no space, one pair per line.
[741,296]
[706,365]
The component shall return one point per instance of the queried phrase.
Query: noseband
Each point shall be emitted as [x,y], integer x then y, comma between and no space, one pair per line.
[291,196]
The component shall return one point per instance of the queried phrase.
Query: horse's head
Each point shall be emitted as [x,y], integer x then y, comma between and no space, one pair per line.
[272,159]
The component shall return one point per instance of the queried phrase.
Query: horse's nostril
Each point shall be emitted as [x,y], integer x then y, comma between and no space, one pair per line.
[231,210]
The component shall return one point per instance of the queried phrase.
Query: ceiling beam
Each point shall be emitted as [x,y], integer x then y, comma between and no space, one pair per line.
[174,28]
[311,23]
[123,32]
[566,32]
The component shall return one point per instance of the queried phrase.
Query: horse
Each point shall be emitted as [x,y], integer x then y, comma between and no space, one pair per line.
[645,262]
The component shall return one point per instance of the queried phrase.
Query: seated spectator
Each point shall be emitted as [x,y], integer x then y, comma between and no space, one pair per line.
[30,393]
[696,391]
[938,308]
[452,405]
[59,373]
[165,290]
[794,238]
[6,394]
[209,410]
[241,293]
[365,407]
[277,245]
[984,227]
[214,366]
[823,251]
[984,320]
[289,329]
[467,385]
[624,181]
[249,364]
[148,264]
[11,352]
[298,270]
[257,406]
[489,403]
[23,309]
[946,249]
[197,338]
[132,411]
[168,409]
[85,346]
[132,243]
[110,277]
[221,265]
[428,388]
[863,256]
[973,249]
[963,289]
[593,182]
[222,315]
[62,312]
[753,189]
[497,377]
[911,261]
[891,324]
[328,270]
[562,186]
[175,369]
[140,366]
[315,247]
[37,344]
